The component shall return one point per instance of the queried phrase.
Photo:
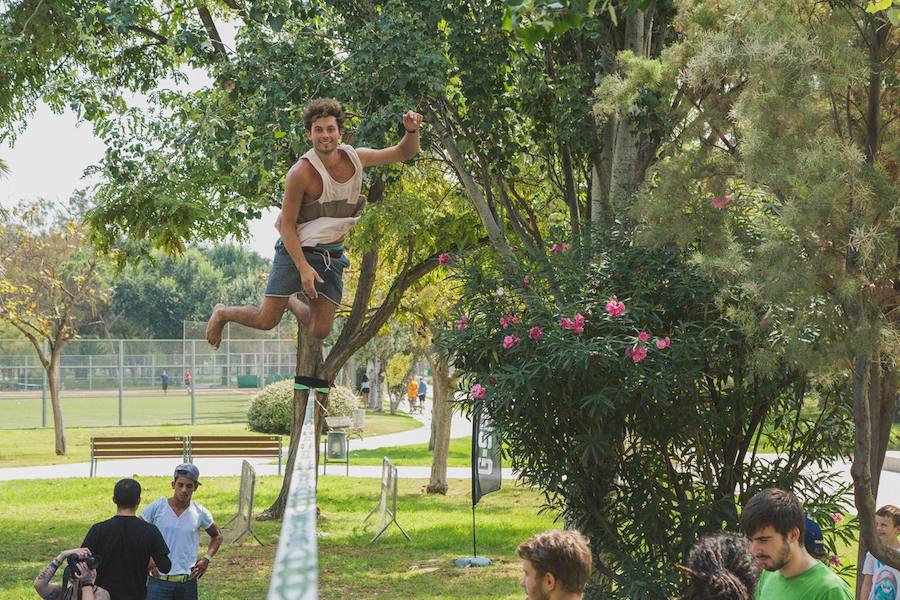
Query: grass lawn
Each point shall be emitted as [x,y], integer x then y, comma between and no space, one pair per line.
[103,409]
[24,447]
[39,518]
[459,455]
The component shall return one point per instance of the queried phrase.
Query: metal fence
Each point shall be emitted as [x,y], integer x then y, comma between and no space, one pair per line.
[98,377]
[139,364]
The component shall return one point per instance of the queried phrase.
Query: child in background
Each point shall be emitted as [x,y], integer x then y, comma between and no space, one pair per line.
[880,582]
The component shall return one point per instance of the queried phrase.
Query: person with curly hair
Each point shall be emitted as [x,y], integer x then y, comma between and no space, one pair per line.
[721,567]
[321,203]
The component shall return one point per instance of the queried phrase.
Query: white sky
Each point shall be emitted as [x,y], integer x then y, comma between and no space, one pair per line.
[48,160]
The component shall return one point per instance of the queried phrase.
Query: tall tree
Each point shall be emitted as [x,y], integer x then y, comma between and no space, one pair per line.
[793,190]
[48,271]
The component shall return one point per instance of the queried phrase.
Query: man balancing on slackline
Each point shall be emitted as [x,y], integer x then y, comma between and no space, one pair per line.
[321,203]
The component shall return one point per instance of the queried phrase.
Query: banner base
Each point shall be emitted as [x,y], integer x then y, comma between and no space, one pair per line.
[473,561]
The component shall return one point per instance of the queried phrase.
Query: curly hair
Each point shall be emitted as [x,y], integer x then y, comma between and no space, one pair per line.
[323,107]
[721,567]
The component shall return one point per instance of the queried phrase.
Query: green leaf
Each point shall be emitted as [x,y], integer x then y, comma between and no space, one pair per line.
[880,5]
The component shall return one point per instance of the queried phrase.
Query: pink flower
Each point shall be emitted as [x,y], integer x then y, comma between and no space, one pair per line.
[838,517]
[721,202]
[629,352]
[663,343]
[835,560]
[510,341]
[536,333]
[477,391]
[462,322]
[638,354]
[507,320]
[554,248]
[644,336]
[575,325]
[871,287]
[564,246]
[614,308]
[443,258]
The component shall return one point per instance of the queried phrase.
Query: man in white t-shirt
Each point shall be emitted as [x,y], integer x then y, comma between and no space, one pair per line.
[880,582]
[180,520]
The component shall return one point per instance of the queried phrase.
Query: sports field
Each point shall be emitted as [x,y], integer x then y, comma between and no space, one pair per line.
[139,407]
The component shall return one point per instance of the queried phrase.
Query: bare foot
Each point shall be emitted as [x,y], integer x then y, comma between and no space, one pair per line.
[214,326]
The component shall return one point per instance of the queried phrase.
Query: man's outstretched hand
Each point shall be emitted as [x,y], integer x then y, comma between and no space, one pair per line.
[412,121]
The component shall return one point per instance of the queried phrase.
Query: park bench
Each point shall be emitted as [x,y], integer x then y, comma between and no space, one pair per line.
[185,447]
[235,445]
[161,446]
[353,426]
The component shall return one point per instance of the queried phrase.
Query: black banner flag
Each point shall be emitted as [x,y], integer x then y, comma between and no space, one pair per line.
[485,457]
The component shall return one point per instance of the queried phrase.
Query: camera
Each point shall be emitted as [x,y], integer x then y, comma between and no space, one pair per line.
[90,560]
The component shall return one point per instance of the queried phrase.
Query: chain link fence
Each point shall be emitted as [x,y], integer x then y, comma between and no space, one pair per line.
[119,381]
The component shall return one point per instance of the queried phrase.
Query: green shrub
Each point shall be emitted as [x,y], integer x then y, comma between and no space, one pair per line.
[342,402]
[270,409]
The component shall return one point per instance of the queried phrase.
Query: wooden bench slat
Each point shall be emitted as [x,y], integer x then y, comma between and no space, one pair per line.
[131,445]
[234,438]
[152,438]
[263,444]
[248,452]
[131,453]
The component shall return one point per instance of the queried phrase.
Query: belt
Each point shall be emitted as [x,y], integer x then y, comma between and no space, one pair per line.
[173,578]
[331,253]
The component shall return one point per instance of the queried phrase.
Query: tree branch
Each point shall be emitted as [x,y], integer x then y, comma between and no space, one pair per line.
[212,31]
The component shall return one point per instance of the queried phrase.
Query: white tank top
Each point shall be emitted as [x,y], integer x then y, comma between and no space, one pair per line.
[327,219]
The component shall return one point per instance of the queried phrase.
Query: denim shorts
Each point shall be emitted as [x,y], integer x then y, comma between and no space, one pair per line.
[284,278]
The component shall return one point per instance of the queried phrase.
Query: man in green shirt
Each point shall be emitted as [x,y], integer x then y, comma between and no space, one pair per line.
[773,521]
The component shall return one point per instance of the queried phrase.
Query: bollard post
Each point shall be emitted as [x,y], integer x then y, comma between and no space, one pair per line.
[121,378]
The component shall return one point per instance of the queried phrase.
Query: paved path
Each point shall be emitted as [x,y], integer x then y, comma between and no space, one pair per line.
[889,492]
[213,467]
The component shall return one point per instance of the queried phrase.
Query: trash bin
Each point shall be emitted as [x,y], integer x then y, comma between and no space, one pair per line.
[337,449]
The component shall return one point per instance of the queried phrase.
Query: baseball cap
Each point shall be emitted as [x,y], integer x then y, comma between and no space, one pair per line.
[812,538]
[188,470]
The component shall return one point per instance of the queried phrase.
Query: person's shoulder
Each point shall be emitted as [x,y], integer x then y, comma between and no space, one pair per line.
[200,508]
[301,171]
[151,509]
[831,585]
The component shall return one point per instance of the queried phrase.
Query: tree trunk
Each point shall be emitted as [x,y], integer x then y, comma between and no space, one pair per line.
[53,383]
[624,172]
[882,398]
[874,388]
[442,419]
[309,363]
[375,386]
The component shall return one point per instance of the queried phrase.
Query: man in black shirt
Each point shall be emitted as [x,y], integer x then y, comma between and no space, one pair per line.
[125,544]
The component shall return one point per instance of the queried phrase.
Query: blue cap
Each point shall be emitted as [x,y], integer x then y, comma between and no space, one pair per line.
[812,538]
[188,470]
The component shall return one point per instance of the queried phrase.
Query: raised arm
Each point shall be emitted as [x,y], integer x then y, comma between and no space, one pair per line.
[42,584]
[405,150]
